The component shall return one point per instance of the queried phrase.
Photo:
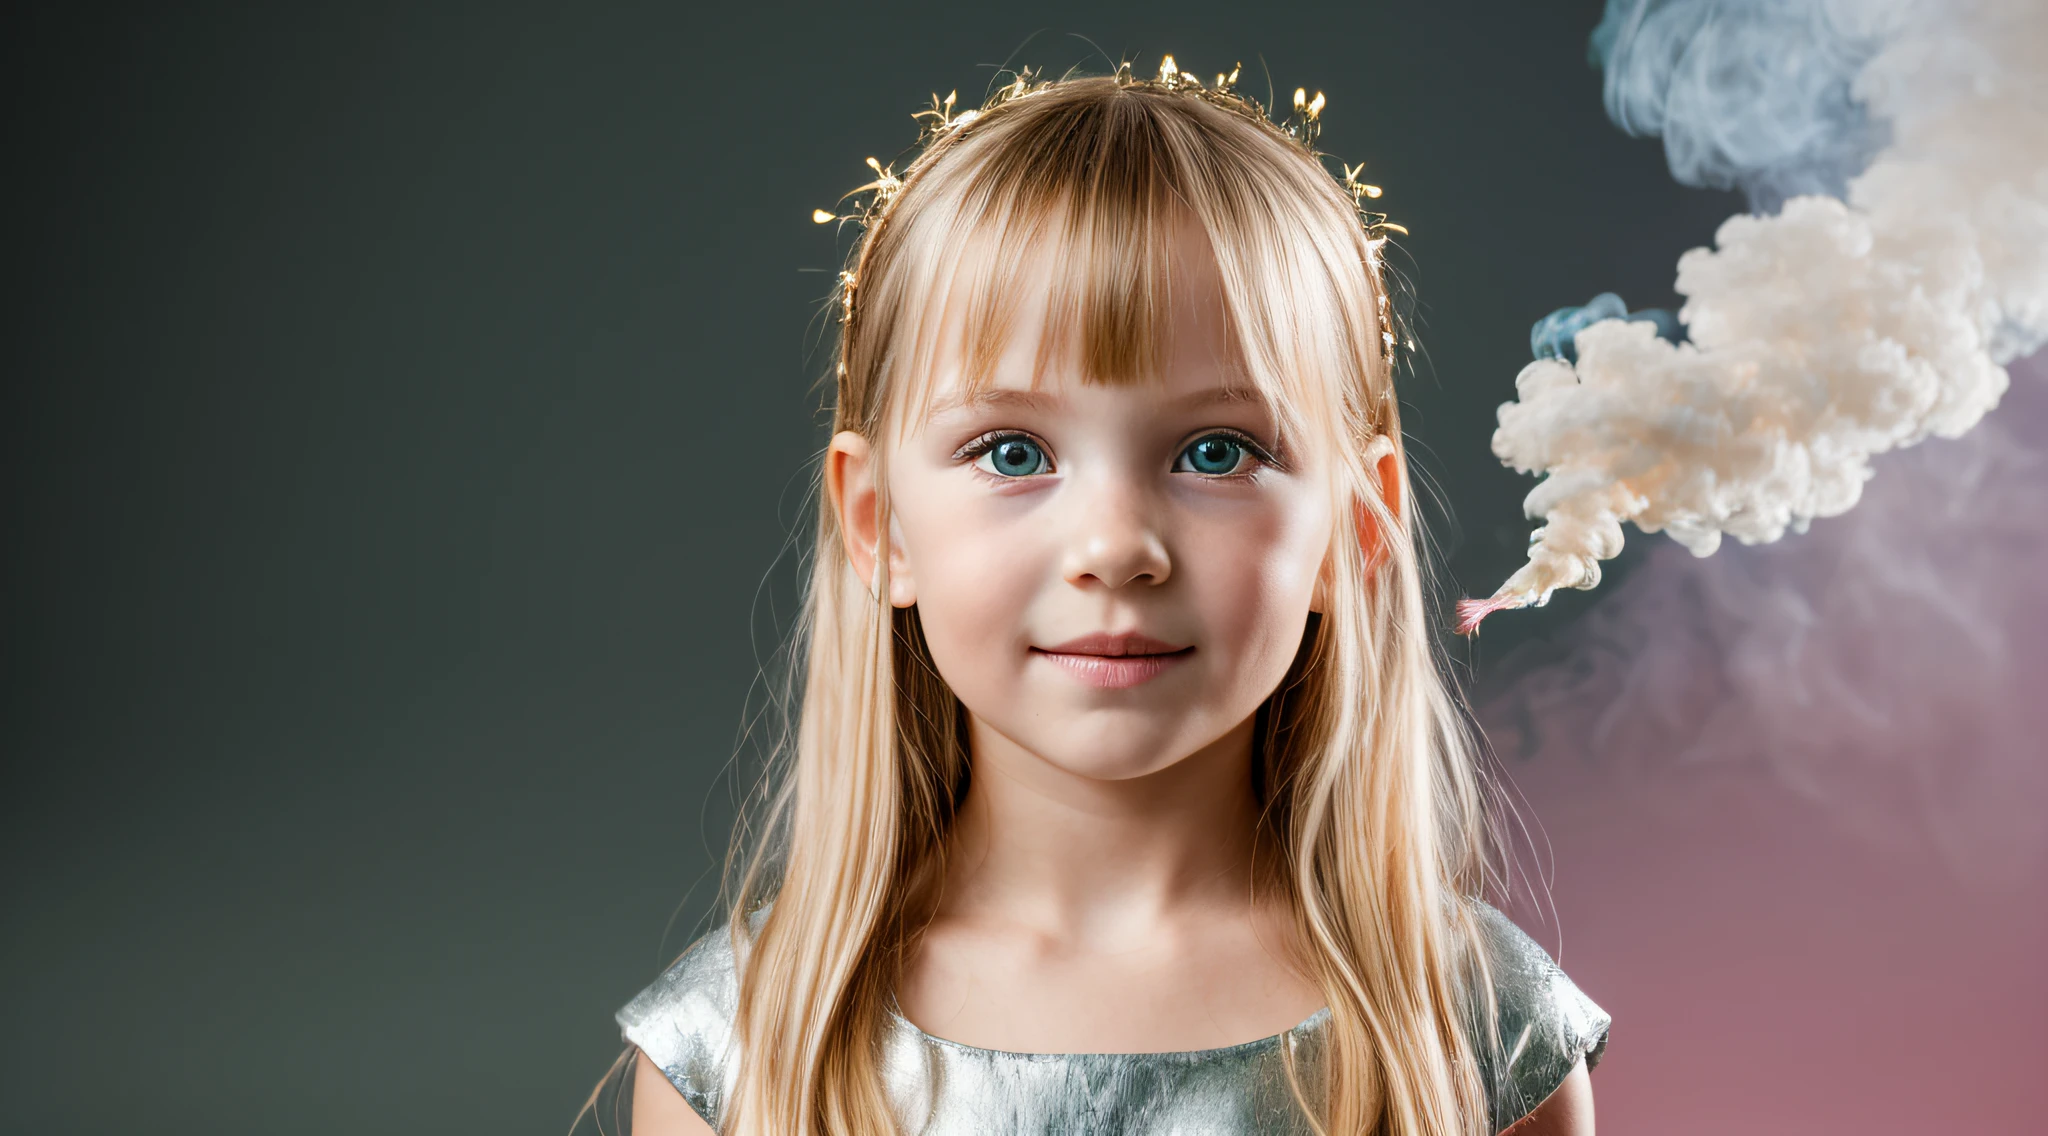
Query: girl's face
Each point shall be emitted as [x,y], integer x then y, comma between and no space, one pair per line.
[1110,577]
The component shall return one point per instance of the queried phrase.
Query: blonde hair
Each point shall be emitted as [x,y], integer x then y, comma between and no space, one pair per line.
[1371,795]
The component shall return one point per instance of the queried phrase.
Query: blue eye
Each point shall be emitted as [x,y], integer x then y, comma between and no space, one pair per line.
[1214,456]
[1014,456]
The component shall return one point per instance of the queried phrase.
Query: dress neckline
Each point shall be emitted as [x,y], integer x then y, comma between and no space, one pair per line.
[1307,1025]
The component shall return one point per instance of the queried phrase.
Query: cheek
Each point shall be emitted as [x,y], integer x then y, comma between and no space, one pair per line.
[976,566]
[1254,589]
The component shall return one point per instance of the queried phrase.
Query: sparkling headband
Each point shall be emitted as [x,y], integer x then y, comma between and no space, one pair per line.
[868,205]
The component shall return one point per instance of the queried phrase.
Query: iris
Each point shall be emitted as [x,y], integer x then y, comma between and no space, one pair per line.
[1214,455]
[1017,457]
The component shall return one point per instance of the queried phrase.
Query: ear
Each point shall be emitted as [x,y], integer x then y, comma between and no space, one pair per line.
[1371,541]
[850,471]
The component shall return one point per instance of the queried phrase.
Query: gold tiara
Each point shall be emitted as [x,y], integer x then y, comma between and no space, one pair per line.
[867,205]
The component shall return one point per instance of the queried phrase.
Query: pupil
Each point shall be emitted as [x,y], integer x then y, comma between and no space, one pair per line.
[1215,455]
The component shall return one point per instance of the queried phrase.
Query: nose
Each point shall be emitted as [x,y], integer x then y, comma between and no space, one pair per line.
[1116,539]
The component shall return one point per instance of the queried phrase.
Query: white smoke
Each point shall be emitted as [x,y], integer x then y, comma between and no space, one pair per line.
[1888,666]
[1821,336]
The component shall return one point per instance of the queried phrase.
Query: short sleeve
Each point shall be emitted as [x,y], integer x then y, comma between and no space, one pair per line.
[1545,1023]
[683,1022]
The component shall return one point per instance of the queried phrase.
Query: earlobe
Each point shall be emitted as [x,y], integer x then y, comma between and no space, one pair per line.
[1369,538]
[902,584]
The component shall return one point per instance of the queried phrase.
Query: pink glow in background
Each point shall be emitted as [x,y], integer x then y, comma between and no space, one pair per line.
[1794,802]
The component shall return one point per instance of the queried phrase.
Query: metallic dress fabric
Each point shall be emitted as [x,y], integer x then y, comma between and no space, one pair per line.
[683,1022]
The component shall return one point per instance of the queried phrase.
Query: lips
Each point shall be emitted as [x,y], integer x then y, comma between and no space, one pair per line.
[1115,661]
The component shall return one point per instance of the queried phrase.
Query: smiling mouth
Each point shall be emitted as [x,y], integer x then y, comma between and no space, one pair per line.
[1114,662]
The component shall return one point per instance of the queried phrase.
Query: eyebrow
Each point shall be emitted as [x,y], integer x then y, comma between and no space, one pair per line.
[1221,394]
[995,396]
[1041,400]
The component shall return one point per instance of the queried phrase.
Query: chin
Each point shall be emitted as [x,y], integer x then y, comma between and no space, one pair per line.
[1103,756]
[1100,767]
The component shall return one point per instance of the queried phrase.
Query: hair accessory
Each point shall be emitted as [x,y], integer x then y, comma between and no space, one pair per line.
[868,205]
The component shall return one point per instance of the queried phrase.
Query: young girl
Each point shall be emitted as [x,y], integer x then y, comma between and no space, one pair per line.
[1127,795]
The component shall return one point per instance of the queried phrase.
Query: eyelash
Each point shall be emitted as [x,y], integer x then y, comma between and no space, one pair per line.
[1259,453]
[973,450]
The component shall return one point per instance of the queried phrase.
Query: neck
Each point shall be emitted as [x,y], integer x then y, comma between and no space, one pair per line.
[1081,858]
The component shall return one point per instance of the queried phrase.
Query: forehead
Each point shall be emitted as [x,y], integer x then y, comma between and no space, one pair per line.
[1031,328]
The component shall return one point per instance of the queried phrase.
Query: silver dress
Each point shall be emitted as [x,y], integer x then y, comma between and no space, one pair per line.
[683,1022]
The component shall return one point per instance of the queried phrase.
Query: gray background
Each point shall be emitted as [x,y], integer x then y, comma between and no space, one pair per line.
[406,408]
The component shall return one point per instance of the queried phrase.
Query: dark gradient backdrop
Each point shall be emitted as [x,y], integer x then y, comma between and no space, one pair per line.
[406,408]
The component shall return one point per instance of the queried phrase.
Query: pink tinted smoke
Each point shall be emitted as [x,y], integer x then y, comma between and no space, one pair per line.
[1795,800]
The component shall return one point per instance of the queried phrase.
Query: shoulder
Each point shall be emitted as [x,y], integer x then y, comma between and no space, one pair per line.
[1542,1024]
[683,1022]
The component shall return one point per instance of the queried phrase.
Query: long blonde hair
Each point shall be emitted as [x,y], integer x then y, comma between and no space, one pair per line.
[1367,770]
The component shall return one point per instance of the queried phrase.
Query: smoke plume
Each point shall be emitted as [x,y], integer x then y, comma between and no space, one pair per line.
[1887,665]
[1829,332]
